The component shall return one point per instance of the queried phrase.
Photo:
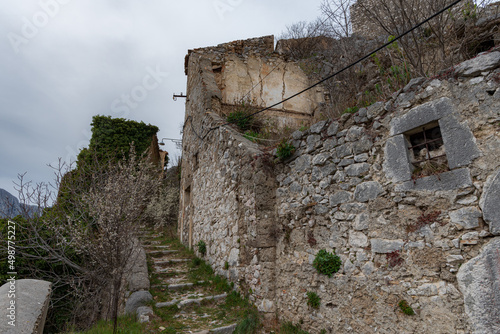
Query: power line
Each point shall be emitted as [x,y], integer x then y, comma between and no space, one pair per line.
[343,69]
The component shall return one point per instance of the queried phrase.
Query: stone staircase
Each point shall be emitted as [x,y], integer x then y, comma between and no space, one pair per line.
[182,303]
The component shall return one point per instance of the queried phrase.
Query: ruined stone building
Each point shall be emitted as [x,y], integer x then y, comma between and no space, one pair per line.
[405,191]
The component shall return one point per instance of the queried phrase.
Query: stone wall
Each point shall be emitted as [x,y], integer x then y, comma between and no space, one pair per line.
[353,186]
[349,189]
[227,191]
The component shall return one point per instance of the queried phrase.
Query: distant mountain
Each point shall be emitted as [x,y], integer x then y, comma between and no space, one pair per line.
[10,206]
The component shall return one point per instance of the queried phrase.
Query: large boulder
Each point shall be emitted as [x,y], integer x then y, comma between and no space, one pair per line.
[479,281]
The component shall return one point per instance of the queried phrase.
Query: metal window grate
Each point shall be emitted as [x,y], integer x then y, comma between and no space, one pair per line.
[427,145]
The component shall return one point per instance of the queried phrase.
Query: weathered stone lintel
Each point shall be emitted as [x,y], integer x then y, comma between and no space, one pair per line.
[421,115]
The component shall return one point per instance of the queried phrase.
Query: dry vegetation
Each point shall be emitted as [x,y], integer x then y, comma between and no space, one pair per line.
[328,44]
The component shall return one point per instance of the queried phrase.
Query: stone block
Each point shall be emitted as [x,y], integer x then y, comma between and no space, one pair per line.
[489,202]
[357,169]
[343,150]
[475,66]
[32,298]
[459,142]
[367,191]
[302,163]
[455,179]
[361,222]
[233,257]
[414,83]
[468,218]
[397,159]
[296,135]
[421,115]
[136,300]
[340,197]
[358,239]
[318,127]
[384,246]
[333,129]
[354,133]
[479,281]
[143,313]
[364,144]
[320,159]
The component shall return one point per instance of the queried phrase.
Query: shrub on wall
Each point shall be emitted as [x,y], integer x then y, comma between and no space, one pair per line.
[202,247]
[284,150]
[313,299]
[327,263]
[405,308]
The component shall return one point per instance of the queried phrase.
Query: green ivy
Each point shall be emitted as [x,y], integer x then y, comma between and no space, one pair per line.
[327,263]
[111,137]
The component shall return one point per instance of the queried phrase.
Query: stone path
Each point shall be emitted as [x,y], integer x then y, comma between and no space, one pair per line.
[182,304]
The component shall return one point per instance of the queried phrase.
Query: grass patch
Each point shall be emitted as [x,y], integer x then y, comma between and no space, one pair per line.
[199,270]
[290,328]
[126,325]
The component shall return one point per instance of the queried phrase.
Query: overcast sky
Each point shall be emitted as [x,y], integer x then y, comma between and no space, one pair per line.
[63,61]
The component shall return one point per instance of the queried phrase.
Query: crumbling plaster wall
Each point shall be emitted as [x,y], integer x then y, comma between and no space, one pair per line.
[349,188]
[251,70]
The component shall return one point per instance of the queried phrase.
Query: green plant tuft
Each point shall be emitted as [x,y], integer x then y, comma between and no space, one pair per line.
[202,247]
[351,110]
[313,299]
[327,263]
[405,308]
[290,328]
[284,150]
[226,265]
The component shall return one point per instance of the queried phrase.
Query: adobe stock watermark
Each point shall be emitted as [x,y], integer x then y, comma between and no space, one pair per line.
[127,101]
[224,6]
[30,27]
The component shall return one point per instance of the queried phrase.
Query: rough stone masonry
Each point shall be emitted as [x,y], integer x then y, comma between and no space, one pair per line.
[354,187]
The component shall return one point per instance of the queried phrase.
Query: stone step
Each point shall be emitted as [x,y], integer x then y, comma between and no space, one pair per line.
[185,302]
[221,330]
[158,246]
[176,286]
[166,251]
[170,261]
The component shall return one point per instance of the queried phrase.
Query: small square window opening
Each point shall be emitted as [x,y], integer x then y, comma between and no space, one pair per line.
[427,151]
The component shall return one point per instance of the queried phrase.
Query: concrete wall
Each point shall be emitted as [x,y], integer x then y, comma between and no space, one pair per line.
[349,188]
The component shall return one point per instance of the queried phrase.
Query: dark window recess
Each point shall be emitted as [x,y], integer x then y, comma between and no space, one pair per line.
[195,158]
[428,156]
